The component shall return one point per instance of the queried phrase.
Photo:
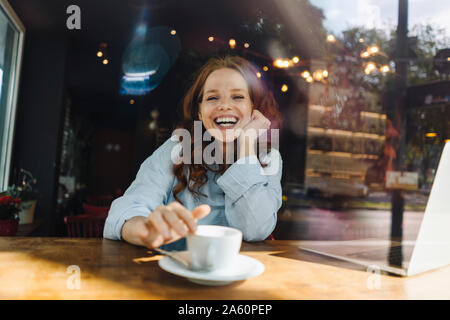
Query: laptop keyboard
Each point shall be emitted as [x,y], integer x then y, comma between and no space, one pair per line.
[394,255]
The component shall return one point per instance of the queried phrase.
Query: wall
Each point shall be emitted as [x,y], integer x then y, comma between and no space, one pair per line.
[39,119]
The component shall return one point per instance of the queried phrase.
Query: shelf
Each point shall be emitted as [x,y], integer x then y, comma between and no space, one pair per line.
[343,154]
[362,113]
[336,174]
[345,133]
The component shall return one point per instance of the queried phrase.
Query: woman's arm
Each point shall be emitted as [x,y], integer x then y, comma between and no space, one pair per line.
[253,195]
[150,189]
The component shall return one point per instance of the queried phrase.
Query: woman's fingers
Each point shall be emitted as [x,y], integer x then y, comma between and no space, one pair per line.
[257,114]
[149,237]
[175,223]
[201,211]
[184,214]
[169,223]
[157,221]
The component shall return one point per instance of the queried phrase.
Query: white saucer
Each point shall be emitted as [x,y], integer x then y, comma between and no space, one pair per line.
[245,267]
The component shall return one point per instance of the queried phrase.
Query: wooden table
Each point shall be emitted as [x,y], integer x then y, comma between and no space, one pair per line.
[44,268]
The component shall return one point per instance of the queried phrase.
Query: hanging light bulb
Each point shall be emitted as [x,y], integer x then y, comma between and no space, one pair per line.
[306,74]
[385,69]
[317,75]
[331,38]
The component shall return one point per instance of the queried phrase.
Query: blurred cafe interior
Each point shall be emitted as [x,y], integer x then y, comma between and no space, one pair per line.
[363,88]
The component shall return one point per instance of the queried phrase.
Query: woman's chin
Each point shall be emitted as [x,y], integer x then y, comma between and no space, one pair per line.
[224,135]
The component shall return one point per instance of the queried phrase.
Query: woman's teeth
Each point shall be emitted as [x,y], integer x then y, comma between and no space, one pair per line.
[226,121]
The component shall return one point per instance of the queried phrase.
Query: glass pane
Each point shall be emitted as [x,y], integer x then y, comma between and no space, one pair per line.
[8,57]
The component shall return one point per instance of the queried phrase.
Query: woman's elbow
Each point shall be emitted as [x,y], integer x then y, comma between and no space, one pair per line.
[260,232]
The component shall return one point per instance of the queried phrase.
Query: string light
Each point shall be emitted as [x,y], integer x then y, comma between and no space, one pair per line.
[306,74]
[99,54]
[282,63]
[258,74]
[295,59]
[173,32]
[232,43]
[284,88]
[265,68]
[369,68]
[246,45]
[211,39]
[317,75]
[385,69]
[373,49]
[105,61]
[331,38]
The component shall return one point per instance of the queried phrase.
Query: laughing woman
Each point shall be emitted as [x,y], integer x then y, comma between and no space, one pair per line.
[169,197]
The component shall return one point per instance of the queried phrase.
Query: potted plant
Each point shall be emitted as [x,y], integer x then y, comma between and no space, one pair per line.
[26,192]
[9,214]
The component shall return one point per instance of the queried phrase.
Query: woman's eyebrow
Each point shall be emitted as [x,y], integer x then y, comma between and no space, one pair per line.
[214,90]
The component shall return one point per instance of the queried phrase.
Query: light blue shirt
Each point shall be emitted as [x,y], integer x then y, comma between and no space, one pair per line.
[246,196]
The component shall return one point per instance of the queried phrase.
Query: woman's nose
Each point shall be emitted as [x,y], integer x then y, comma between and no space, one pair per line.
[225,105]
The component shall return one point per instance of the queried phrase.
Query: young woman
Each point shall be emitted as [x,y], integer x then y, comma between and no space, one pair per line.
[169,197]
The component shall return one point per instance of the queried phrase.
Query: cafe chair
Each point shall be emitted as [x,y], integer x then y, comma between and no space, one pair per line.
[85,225]
[271,237]
[89,208]
[90,224]
[100,200]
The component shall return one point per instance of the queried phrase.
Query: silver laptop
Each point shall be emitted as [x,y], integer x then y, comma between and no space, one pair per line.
[431,249]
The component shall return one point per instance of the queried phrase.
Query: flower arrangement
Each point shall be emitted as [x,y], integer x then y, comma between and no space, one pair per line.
[9,207]
[25,190]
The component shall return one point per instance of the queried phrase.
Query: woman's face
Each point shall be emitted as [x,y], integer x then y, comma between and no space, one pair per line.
[226,105]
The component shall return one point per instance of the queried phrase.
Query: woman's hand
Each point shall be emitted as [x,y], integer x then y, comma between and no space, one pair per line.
[250,133]
[164,225]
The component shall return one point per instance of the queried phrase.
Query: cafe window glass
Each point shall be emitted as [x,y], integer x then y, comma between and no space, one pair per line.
[11,39]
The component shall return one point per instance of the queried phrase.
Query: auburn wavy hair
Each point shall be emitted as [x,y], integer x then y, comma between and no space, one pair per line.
[194,176]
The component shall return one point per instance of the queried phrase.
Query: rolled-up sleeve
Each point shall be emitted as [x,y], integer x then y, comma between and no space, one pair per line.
[150,189]
[253,195]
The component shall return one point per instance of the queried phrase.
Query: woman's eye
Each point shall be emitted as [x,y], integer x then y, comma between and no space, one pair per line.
[238,97]
[211,98]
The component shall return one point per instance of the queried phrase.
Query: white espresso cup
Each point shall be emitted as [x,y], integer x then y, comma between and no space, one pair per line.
[213,248]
